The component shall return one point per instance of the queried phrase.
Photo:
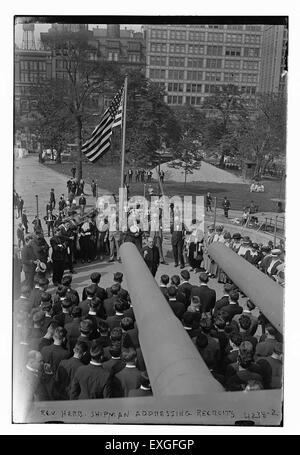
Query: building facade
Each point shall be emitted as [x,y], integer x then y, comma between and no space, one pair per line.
[273,59]
[192,61]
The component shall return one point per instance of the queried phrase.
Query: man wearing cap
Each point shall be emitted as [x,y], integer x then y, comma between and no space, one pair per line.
[253,256]
[206,294]
[270,264]
[151,256]
[236,242]
[245,246]
[92,380]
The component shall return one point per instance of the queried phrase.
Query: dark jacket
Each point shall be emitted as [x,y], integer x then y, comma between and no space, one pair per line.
[165,292]
[109,305]
[185,289]
[127,379]
[100,292]
[28,258]
[177,307]
[207,297]
[114,365]
[151,257]
[140,393]
[231,310]
[53,354]
[114,321]
[64,376]
[58,252]
[91,381]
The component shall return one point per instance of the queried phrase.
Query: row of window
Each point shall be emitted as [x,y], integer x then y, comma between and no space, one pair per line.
[32,77]
[198,49]
[211,63]
[196,100]
[212,77]
[32,65]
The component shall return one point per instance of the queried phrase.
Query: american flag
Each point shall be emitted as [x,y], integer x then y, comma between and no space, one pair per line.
[100,140]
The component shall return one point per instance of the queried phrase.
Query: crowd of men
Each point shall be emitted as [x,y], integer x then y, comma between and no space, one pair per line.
[88,346]
[84,347]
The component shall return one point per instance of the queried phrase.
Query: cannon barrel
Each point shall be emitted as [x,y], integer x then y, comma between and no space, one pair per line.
[173,363]
[265,293]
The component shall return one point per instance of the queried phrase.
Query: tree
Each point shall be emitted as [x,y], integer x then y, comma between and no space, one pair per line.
[186,153]
[87,77]
[227,106]
[150,121]
[262,135]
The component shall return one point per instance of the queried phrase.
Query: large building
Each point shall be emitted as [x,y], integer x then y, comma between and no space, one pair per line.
[273,59]
[192,61]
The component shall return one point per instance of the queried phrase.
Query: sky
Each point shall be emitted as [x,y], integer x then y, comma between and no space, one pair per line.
[45,27]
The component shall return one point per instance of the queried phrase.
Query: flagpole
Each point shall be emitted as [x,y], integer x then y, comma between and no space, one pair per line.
[123,134]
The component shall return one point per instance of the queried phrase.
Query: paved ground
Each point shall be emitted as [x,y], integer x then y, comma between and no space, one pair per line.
[32,178]
[206,173]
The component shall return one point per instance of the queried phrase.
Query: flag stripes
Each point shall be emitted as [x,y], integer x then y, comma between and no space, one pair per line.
[100,140]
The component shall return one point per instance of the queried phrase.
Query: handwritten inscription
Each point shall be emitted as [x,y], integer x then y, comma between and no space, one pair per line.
[206,414]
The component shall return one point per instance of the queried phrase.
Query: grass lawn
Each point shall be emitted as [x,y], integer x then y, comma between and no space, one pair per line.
[108,177]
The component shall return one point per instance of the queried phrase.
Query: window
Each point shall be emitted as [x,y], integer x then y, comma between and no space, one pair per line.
[157,60]
[193,100]
[157,73]
[213,63]
[233,51]
[196,36]
[42,66]
[177,34]
[233,38]
[176,61]
[158,47]
[212,76]
[214,50]
[248,65]
[198,100]
[194,88]
[252,39]
[176,74]
[134,57]
[195,49]
[234,27]
[212,88]
[251,52]
[195,62]
[249,77]
[175,87]
[157,33]
[22,65]
[231,77]
[177,48]
[169,99]
[253,28]
[216,26]
[232,64]
[194,75]
[216,37]
[188,100]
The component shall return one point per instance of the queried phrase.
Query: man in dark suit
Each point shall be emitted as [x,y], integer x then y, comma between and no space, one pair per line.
[224,300]
[177,240]
[109,303]
[115,363]
[164,281]
[206,294]
[85,304]
[73,328]
[40,287]
[185,288]
[145,388]
[66,371]
[130,332]
[151,256]
[92,381]
[28,261]
[67,281]
[233,307]
[177,307]
[115,321]
[59,254]
[129,377]
[95,278]
[118,279]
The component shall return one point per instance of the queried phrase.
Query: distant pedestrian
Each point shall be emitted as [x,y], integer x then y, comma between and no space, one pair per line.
[73,170]
[20,206]
[37,225]
[226,206]
[81,186]
[162,176]
[52,198]
[25,221]
[94,188]
[208,201]
[82,204]
[62,204]
[130,174]
[137,175]
[20,235]
[49,220]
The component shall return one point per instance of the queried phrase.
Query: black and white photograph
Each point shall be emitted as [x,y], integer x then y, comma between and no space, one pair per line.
[149,197]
